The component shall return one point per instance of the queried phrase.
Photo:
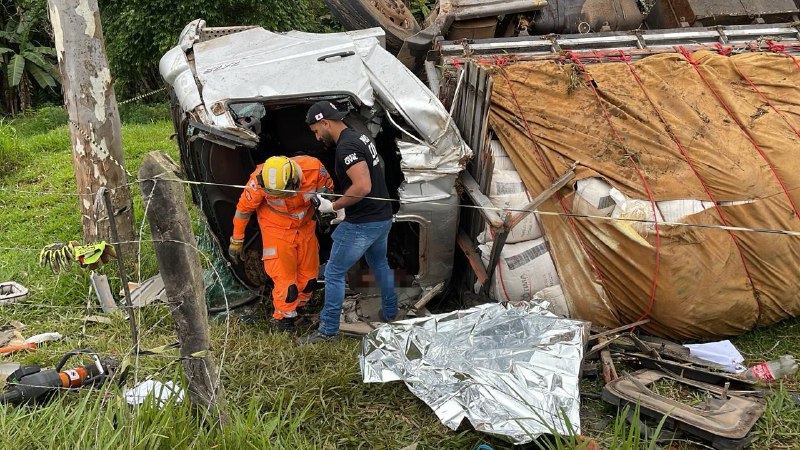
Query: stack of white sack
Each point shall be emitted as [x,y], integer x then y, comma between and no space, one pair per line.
[507,191]
[525,267]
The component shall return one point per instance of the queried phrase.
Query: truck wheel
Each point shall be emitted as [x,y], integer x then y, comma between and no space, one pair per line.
[391,15]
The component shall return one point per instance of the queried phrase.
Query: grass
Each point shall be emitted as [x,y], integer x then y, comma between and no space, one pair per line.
[279,395]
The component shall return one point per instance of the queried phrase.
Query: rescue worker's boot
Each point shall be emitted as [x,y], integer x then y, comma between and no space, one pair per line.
[286,324]
[317,337]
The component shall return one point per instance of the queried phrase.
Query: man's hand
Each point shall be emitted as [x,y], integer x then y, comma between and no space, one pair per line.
[235,250]
[326,206]
[339,217]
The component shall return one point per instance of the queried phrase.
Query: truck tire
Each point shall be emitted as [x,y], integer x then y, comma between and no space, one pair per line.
[391,15]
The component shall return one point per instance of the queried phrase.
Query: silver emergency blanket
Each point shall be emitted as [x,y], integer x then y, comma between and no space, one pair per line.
[512,371]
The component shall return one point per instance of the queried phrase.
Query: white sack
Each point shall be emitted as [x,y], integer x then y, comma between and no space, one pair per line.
[507,191]
[554,296]
[523,270]
[593,197]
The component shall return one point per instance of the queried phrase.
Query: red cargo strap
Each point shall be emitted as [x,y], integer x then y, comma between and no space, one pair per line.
[603,108]
[742,127]
[540,157]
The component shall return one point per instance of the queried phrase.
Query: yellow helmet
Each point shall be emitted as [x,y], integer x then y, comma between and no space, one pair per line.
[280,176]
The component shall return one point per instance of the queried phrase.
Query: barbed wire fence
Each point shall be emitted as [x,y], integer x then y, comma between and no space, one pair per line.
[139,370]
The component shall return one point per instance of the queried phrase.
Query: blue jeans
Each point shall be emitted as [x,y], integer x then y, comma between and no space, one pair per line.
[351,241]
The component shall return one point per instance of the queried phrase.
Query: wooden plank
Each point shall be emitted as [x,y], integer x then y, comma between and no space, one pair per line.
[428,296]
[494,258]
[356,328]
[618,330]
[481,200]
[480,111]
[469,98]
[543,196]
[462,97]
[609,371]
[487,101]
[467,246]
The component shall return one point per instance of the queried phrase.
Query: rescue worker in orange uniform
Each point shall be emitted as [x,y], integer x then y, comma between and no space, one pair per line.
[281,192]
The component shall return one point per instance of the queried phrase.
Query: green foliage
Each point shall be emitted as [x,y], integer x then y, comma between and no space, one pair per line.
[137,113]
[421,8]
[12,154]
[25,60]
[39,121]
[137,33]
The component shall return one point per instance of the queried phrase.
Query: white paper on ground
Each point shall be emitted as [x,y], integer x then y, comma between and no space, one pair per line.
[722,353]
[161,391]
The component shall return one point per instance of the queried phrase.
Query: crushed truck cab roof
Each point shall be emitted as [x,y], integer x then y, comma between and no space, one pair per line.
[240,94]
[258,64]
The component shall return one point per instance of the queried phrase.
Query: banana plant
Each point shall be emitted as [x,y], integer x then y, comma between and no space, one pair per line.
[25,60]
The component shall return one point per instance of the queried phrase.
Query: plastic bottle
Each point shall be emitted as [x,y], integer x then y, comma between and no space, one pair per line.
[772,370]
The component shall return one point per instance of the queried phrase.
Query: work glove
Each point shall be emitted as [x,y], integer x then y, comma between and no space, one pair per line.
[58,256]
[325,206]
[339,217]
[92,255]
[235,250]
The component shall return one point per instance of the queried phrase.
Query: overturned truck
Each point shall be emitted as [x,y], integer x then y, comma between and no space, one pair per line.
[240,95]
[664,166]
[660,164]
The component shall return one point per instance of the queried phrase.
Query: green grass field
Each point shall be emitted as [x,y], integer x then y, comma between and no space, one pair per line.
[279,395]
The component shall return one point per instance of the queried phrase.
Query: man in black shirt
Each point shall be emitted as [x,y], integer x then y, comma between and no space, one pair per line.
[368,217]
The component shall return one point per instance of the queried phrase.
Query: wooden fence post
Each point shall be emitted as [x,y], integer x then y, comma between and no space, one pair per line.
[179,264]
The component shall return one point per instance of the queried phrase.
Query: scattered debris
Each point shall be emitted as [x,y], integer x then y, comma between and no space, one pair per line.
[609,370]
[31,343]
[149,291]
[512,371]
[11,337]
[12,292]
[162,392]
[97,319]
[773,370]
[692,385]
[723,353]
[6,369]
[59,256]
[723,418]
[103,291]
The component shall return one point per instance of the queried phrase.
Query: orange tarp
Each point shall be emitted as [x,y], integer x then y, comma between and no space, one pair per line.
[711,282]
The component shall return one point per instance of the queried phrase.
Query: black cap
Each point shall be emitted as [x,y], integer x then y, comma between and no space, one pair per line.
[323,110]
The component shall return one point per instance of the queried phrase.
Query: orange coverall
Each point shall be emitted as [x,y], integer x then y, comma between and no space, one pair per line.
[290,247]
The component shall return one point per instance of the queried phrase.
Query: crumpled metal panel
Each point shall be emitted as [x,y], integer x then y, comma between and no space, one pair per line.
[260,64]
[402,92]
[512,371]
[176,72]
[419,163]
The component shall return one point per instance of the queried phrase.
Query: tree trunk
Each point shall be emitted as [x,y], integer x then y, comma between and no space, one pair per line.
[25,93]
[95,128]
[179,265]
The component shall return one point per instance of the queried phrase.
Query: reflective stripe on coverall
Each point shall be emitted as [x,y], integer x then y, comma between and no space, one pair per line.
[290,248]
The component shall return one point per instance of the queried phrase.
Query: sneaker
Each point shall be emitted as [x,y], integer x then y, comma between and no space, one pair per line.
[287,324]
[384,319]
[315,338]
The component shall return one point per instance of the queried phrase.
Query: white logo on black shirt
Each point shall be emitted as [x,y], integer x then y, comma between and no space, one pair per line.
[350,159]
[372,150]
